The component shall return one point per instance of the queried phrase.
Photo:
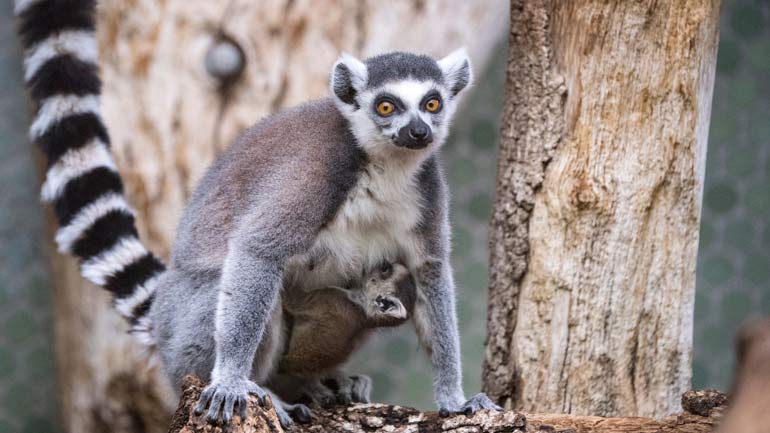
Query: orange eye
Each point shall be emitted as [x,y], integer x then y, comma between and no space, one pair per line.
[385,108]
[433,105]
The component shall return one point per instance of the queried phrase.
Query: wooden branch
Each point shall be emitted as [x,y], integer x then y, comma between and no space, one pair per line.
[378,417]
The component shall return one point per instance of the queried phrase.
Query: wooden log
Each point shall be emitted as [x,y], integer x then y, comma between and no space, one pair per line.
[385,418]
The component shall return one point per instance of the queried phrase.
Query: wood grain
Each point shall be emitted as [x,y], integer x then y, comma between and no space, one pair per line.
[594,234]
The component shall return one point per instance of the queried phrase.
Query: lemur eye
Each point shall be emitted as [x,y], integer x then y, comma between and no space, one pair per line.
[385,108]
[433,105]
[386,269]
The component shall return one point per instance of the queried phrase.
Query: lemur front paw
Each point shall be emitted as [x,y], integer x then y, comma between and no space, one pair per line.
[476,403]
[225,396]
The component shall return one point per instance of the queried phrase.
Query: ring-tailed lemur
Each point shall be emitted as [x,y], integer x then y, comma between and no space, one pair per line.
[306,198]
[325,327]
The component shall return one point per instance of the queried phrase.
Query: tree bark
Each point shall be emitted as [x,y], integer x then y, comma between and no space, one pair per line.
[594,233]
[384,418]
[169,118]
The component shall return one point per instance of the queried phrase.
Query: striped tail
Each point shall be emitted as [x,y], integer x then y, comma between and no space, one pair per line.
[82,182]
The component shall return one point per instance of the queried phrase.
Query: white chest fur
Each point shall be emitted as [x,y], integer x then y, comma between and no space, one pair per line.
[375,223]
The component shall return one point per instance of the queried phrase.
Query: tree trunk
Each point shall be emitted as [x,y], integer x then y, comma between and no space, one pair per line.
[595,227]
[384,418]
[169,118]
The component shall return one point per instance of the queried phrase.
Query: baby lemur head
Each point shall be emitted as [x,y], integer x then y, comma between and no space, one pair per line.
[387,295]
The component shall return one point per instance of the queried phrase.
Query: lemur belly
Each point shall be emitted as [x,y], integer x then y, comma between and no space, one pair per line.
[375,223]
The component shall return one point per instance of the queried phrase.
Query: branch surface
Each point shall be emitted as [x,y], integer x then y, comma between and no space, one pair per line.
[702,410]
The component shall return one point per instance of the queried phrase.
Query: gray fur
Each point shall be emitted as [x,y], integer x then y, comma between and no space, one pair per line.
[397,66]
[247,217]
[304,200]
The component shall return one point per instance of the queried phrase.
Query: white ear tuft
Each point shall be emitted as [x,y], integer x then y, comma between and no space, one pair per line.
[457,70]
[348,78]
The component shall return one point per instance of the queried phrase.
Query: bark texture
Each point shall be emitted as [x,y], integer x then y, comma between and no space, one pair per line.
[383,418]
[169,118]
[594,233]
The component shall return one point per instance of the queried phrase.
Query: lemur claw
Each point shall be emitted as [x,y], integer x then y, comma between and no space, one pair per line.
[222,396]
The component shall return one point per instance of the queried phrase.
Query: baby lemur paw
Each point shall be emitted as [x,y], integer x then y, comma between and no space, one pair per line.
[225,396]
[338,389]
[301,413]
[320,394]
[350,389]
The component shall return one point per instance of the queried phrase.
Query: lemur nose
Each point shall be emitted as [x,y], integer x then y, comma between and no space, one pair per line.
[419,132]
[384,303]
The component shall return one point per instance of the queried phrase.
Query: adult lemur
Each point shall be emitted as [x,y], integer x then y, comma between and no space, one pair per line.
[306,199]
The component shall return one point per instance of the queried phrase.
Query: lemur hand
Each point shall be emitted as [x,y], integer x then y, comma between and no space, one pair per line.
[225,395]
[476,403]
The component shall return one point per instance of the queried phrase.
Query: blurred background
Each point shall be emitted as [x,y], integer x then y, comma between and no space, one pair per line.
[734,258]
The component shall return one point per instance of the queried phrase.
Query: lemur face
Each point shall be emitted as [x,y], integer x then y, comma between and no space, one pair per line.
[400,102]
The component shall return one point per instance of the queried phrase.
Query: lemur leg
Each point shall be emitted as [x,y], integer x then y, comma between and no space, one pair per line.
[247,295]
[436,325]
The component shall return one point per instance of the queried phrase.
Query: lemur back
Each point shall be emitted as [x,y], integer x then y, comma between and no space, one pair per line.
[322,162]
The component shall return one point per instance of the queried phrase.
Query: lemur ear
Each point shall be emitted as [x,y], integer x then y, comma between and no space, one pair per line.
[457,70]
[348,78]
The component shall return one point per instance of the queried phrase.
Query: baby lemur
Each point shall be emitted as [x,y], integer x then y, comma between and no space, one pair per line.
[325,326]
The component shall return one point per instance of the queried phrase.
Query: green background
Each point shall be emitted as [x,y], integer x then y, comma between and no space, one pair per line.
[733,282]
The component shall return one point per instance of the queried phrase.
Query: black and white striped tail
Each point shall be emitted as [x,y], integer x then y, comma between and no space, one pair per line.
[82,182]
